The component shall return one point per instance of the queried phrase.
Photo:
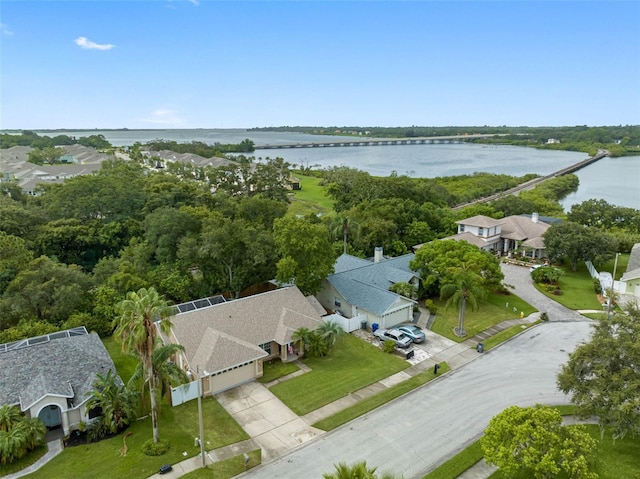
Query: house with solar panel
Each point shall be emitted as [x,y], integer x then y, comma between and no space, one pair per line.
[227,342]
[51,377]
[360,288]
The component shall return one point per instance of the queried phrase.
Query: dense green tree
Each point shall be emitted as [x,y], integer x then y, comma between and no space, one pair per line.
[532,441]
[576,243]
[602,375]
[143,315]
[49,155]
[46,291]
[19,219]
[514,205]
[307,257]
[14,257]
[546,275]
[439,261]
[99,142]
[70,241]
[259,210]
[25,329]
[600,214]
[163,230]
[404,289]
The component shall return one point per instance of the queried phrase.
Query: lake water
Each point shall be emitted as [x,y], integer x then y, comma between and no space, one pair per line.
[616,180]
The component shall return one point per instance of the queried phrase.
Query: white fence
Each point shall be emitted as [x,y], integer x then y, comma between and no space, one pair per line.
[184,393]
[606,280]
[348,324]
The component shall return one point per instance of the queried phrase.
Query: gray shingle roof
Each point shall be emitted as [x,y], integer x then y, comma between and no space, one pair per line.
[633,266]
[367,283]
[65,366]
[233,330]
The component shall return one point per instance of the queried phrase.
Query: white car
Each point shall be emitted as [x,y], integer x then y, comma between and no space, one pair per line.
[398,337]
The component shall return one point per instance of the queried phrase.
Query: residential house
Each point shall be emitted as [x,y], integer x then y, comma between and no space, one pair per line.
[360,287]
[523,234]
[227,343]
[631,277]
[52,376]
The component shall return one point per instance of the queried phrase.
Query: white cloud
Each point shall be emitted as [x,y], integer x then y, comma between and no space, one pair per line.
[5,30]
[164,117]
[84,42]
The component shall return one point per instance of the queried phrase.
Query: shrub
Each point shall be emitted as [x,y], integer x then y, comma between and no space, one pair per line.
[597,287]
[388,346]
[150,448]
[429,304]
[544,316]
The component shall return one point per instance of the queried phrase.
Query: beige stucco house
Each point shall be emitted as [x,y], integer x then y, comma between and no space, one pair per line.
[228,342]
[631,277]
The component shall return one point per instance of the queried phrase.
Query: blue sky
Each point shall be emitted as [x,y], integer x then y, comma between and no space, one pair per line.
[237,64]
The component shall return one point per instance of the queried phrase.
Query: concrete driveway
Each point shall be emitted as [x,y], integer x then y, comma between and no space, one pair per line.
[271,424]
[520,278]
[413,434]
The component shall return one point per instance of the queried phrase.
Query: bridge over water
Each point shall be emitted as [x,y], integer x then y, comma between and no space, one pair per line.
[347,141]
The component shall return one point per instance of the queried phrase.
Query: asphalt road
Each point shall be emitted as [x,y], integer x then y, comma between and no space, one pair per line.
[416,432]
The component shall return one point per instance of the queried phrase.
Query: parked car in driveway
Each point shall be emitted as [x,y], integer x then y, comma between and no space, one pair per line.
[398,337]
[414,332]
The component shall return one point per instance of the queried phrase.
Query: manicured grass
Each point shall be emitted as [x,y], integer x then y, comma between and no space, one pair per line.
[178,424]
[615,459]
[311,199]
[377,400]
[351,365]
[458,463]
[26,461]
[492,311]
[226,469]
[502,336]
[125,364]
[276,369]
[577,289]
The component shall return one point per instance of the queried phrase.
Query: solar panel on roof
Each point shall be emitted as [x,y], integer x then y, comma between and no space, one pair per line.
[202,303]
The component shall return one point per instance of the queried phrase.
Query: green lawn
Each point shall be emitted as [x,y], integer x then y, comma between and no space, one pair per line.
[492,311]
[276,369]
[377,400]
[311,198]
[125,365]
[351,365]
[577,289]
[178,424]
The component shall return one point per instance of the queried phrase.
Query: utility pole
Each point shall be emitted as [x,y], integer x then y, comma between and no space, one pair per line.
[200,415]
[613,280]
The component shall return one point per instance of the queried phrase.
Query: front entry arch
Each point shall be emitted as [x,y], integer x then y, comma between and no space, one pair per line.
[51,416]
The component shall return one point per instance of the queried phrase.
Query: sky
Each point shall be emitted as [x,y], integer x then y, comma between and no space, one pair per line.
[239,64]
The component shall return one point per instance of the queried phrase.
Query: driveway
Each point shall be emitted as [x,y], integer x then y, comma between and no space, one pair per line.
[413,434]
[520,278]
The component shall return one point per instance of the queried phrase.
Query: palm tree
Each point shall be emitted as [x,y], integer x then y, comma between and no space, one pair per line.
[342,225]
[302,334]
[142,314]
[359,470]
[465,288]
[9,415]
[167,373]
[114,400]
[330,331]
[316,345]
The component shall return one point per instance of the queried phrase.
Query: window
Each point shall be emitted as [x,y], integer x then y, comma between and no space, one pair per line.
[265,347]
[460,228]
[95,412]
[480,231]
[337,302]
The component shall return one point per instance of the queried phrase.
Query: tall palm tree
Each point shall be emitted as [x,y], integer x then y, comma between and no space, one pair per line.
[167,373]
[342,225]
[302,334]
[143,314]
[466,288]
[9,415]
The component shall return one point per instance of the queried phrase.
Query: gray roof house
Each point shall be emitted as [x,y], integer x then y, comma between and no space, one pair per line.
[360,288]
[228,342]
[51,376]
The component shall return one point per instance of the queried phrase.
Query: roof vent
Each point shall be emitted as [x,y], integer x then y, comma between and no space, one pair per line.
[534,217]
